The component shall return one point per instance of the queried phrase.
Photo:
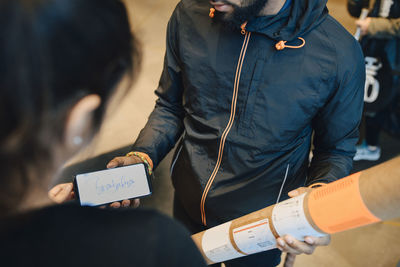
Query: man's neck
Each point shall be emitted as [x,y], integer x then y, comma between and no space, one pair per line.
[272,7]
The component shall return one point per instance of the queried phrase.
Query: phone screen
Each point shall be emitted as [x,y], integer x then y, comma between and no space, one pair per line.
[102,187]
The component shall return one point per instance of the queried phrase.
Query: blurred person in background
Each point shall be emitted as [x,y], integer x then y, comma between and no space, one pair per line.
[59,63]
[381,44]
[383,20]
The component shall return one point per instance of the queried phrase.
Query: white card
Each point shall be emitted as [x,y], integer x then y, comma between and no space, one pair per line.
[288,217]
[97,188]
[217,245]
[254,237]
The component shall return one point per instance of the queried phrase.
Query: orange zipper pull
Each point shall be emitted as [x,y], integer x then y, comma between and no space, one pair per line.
[243,27]
[212,11]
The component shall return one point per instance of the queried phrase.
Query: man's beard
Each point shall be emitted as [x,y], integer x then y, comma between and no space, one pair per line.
[240,14]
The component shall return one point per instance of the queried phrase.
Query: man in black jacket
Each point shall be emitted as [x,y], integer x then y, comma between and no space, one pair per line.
[244,86]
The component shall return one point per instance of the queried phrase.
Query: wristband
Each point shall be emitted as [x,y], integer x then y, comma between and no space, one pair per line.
[145,158]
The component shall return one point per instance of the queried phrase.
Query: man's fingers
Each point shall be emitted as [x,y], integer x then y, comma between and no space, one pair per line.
[295,246]
[298,191]
[318,241]
[293,193]
[115,205]
[126,203]
[135,203]
[54,191]
[60,187]
[289,260]
[123,161]
[61,193]
[282,246]
[115,162]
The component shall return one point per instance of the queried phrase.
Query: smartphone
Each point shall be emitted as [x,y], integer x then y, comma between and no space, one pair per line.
[107,186]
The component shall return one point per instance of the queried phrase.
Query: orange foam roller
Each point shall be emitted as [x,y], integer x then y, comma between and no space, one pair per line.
[354,201]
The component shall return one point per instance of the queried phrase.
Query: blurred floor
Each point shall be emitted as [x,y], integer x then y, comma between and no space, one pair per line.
[377,245]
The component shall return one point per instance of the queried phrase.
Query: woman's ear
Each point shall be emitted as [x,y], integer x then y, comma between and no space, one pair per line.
[79,121]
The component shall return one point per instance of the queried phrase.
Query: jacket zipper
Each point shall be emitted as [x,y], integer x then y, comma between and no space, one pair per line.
[228,127]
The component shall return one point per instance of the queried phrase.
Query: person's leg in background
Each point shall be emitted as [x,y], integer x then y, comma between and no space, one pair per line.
[370,150]
[375,122]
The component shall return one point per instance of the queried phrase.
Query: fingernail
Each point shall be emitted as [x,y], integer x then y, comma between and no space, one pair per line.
[309,240]
[111,165]
[293,193]
[289,240]
[281,242]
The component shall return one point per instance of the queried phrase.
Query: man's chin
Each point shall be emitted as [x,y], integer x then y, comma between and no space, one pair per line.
[239,15]
[227,20]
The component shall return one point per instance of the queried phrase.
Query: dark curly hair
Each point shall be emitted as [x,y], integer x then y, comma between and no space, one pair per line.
[52,53]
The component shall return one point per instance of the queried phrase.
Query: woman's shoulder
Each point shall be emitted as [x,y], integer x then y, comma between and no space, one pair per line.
[108,237]
[72,215]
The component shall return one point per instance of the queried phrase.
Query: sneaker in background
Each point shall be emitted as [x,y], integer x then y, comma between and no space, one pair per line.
[366,152]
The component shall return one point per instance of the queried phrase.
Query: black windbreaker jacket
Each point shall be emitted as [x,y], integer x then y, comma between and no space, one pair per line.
[244,112]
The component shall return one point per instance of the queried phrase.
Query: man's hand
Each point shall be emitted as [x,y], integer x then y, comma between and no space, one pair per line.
[123,161]
[364,25]
[119,162]
[61,193]
[294,247]
[64,192]
[134,203]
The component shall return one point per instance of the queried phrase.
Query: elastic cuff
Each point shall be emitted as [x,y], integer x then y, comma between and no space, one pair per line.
[316,185]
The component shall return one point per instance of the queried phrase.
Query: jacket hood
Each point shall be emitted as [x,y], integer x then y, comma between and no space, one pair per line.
[296,21]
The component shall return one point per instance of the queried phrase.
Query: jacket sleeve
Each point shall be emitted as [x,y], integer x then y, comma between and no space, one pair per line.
[384,28]
[165,123]
[336,124]
[355,6]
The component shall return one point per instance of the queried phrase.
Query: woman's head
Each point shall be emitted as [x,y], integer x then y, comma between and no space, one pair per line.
[59,62]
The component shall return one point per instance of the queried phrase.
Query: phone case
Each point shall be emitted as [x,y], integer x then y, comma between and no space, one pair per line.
[149,181]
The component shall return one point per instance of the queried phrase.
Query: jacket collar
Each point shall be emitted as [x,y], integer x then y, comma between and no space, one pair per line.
[296,21]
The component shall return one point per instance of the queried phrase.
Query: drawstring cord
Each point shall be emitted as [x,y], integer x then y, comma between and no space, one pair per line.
[243,26]
[279,45]
[282,44]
